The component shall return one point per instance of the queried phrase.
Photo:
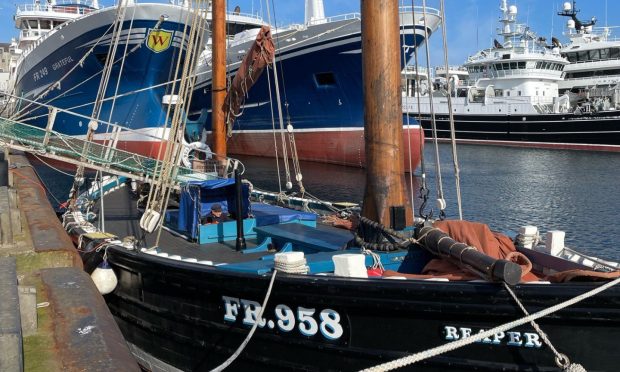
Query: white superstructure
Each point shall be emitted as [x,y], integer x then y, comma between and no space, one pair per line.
[520,75]
[594,56]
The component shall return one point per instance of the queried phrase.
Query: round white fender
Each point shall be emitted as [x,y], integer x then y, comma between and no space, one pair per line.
[104,278]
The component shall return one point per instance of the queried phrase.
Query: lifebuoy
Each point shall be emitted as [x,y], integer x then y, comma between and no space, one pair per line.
[188,148]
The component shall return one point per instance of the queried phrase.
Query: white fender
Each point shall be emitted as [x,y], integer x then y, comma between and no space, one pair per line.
[152,221]
[104,278]
[143,218]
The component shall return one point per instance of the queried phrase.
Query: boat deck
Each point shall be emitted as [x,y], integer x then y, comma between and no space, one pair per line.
[123,219]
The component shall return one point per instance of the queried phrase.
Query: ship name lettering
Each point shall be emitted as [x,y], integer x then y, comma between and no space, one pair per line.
[511,338]
[61,63]
[307,321]
[39,74]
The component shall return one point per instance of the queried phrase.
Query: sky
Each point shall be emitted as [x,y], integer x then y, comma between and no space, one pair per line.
[471,24]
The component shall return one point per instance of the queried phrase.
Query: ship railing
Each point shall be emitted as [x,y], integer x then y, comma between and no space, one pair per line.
[592,77]
[44,37]
[532,72]
[337,18]
[419,10]
[70,149]
[348,16]
[70,8]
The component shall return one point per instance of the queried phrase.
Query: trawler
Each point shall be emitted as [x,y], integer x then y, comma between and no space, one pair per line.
[137,41]
[321,60]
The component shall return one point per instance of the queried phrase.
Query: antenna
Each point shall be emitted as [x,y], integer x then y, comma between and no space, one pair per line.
[477,23]
[552,14]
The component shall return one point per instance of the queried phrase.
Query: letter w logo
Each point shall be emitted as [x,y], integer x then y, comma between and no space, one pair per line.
[158,40]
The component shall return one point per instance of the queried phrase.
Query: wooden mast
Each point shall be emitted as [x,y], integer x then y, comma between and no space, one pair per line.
[218,84]
[384,198]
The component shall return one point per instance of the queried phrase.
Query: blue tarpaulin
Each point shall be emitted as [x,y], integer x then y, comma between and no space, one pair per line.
[198,197]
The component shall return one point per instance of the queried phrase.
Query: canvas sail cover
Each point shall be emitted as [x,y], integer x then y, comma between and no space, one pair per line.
[260,55]
[495,245]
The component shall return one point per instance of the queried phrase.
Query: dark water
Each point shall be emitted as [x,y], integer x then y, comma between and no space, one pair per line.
[574,191]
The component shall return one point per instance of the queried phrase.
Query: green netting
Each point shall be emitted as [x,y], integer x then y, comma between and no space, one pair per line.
[71,148]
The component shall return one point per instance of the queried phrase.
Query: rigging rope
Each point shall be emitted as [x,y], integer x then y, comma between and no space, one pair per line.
[423,187]
[103,85]
[164,181]
[455,160]
[289,126]
[289,184]
[440,198]
[404,57]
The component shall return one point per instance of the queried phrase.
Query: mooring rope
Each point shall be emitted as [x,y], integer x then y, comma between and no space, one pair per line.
[417,357]
[241,347]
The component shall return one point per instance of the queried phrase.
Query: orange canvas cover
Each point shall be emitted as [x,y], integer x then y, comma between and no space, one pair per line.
[495,245]
[260,55]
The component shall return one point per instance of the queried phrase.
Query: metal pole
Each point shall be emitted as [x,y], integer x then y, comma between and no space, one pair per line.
[239,212]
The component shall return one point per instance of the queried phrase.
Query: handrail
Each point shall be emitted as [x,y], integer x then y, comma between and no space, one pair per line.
[357,15]
[63,9]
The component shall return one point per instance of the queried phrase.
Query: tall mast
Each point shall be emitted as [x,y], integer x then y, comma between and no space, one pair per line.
[385,195]
[218,85]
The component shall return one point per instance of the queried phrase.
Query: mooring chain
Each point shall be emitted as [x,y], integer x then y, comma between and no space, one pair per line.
[560,359]
[388,233]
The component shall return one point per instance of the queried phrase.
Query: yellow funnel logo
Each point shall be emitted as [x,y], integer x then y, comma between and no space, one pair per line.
[159,40]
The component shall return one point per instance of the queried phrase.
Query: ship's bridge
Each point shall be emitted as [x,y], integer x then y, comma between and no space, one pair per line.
[36,19]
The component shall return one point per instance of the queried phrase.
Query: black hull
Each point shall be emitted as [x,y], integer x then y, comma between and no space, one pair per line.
[599,131]
[175,311]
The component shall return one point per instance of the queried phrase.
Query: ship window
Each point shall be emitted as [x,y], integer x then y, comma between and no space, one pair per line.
[33,24]
[538,65]
[498,66]
[604,53]
[507,93]
[595,55]
[521,65]
[614,53]
[506,66]
[513,65]
[519,93]
[572,57]
[45,25]
[325,79]
[582,56]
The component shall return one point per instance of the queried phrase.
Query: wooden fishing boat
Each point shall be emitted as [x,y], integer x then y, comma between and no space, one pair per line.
[274,290]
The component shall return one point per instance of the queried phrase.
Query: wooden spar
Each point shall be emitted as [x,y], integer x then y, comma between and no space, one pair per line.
[218,84]
[383,117]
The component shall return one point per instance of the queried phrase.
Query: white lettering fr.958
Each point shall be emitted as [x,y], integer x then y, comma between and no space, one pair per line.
[286,319]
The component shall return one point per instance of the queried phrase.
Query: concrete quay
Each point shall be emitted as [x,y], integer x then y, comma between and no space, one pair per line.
[52,318]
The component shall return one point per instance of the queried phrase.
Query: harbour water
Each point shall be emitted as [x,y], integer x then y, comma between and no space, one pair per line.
[504,187]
